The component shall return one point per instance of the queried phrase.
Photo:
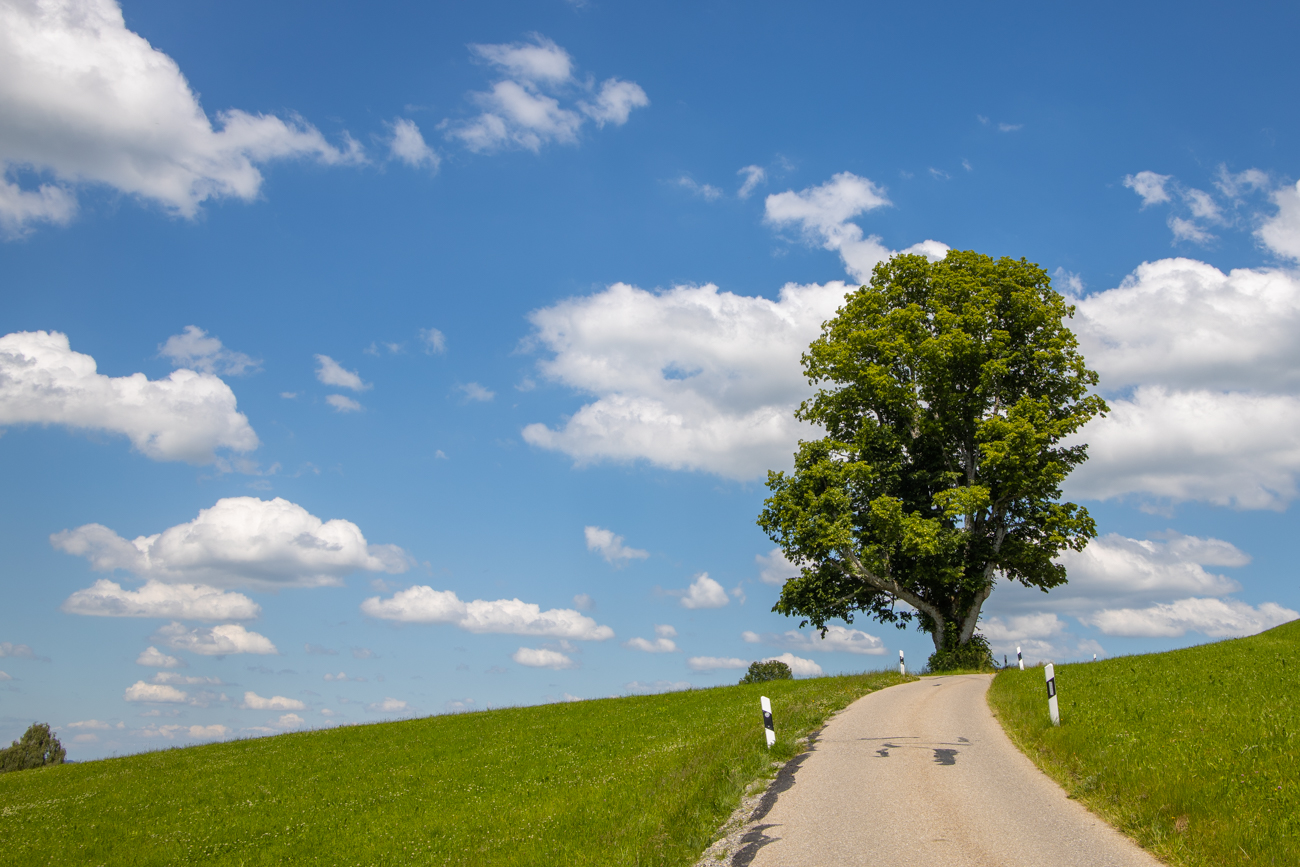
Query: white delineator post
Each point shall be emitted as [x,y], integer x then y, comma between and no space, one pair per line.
[1020,659]
[1052,708]
[768,730]
[902,669]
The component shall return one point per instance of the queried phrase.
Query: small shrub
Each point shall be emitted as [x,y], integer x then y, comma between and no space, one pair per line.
[773,669]
[974,654]
[37,748]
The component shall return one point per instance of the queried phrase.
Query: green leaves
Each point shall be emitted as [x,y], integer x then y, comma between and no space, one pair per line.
[945,389]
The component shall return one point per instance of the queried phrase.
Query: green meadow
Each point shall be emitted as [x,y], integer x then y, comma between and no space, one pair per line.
[638,780]
[1194,753]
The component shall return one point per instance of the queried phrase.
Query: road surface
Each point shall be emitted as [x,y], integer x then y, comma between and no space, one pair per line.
[921,774]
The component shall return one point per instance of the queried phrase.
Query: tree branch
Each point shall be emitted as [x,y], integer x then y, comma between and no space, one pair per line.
[889,585]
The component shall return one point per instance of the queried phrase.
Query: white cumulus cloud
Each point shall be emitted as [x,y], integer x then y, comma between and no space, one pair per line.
[220,640]
[839,639]
[662,642]
[691,378]
[822,214]
[155,658]
[423,604]
[1216,618]
[542,658]
[539,100]
[253,701]
[85,100]
[1150,186]
[239,542]
[408,145]
[1281,232]
[155,692]
[196,349]
[610,546]
[799,666]
[155,599]
[753,175]
[704,592]
[774,568]
[388,705]
[1200,369]
[343,403]
[330,372]
[186,417]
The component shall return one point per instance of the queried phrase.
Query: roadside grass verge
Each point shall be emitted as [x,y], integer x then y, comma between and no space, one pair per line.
[637,780]
[1194,753]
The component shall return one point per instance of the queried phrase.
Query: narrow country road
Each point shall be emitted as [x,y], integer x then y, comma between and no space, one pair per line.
[922,774]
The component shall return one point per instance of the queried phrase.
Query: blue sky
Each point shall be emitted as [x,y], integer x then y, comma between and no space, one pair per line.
[430,360]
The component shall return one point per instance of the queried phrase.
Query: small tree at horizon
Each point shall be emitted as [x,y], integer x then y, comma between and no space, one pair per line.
[38,747]
[772,669]
[945,389]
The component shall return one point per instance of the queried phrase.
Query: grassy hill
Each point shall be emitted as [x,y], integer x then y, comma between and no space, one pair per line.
[1194,753]
[641,780]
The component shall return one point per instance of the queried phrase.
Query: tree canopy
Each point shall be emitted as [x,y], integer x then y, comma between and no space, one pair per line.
[38,747]
[944,389]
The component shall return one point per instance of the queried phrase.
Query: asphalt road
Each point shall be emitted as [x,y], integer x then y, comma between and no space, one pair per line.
[921,774]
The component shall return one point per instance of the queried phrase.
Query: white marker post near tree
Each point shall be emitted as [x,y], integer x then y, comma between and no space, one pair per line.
[768,729]
[1052,708]
[902,669]
[1020,659]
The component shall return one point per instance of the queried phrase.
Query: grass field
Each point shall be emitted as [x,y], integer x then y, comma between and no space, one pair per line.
[1194,753]
[640,780]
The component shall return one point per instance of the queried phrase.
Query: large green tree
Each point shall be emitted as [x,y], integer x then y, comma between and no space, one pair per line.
[944,389]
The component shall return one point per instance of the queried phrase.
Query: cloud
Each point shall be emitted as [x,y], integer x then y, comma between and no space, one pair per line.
[155,599]
[253,701]
[1186,230]
[186,417]
[753,175]
[524,110]
[174,679]
[799,667]
[615,101]
[688,379]
[714,663]
[1010,127]
[4,676]
[663,642]
[388,705]
[435,342]
[92,724]
[289,721]
[84,100]
[542,658]
[540,60]
[1281,232]
[423,604]
[475,392]
[239,542]
[1150,186]
[318,650]
[15,651]
[193,348]
[839,639]
[343,403]
[341,677]
[1216,618]
[704,592]
[1203,378]
[774,568]
[1116,567]
[409,146]
[155,692]
[583,602]
[330,372]
[364,653]
[155,658]
[708,192]
[214,641]
[611,547]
